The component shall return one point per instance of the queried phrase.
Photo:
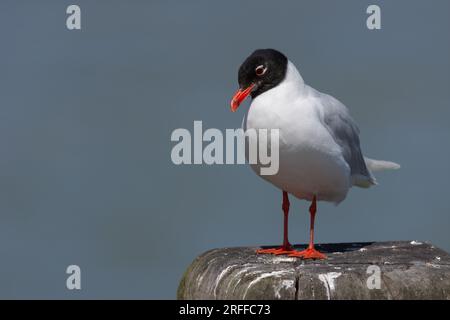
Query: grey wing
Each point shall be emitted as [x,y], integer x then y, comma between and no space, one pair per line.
[346,134]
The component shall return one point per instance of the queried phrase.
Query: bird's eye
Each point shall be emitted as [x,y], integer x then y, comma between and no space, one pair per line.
[260,70]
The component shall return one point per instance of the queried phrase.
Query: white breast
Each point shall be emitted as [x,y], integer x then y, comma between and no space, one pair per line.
[311,163]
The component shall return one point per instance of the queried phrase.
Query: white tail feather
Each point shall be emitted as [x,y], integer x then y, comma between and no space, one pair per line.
[378,165]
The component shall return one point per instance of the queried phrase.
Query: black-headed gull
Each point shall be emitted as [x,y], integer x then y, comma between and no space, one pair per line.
[320,156]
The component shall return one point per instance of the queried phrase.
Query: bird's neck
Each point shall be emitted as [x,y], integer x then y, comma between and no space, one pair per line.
[293,79]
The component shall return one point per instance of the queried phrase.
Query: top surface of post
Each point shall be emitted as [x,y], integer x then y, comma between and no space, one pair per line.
[407,270]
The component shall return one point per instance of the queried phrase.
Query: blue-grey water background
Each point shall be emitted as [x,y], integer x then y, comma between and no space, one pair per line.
[86,117]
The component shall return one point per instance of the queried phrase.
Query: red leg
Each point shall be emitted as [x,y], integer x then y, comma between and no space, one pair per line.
[286,248]
[310,252]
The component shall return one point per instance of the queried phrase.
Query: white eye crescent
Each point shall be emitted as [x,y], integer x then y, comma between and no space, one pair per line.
[260,70]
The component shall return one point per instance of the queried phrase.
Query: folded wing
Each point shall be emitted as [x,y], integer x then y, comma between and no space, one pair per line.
[345,132]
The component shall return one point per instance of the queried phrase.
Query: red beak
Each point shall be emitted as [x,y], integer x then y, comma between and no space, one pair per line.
[240,96]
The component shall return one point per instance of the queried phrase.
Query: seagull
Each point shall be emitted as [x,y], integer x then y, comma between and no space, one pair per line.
[320,156]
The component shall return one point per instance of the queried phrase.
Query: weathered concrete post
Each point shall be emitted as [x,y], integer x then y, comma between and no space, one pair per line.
[381,270]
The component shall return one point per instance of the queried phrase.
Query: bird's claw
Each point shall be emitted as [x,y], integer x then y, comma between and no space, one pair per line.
[277,251]
[309,253]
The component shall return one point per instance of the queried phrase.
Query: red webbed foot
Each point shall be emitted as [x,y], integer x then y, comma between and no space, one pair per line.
[284,250]
[309,253]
